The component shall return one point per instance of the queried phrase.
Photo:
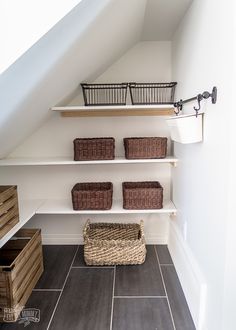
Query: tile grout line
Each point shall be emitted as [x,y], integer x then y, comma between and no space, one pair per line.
[94,267]
[171,315]
[113,295]
[53,313]
[47,290]
[140,297]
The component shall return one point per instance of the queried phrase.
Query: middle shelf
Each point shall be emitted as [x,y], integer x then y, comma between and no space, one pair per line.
[64,206]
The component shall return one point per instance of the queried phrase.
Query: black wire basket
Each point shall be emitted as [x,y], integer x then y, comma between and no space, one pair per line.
[152,93]
[105,94]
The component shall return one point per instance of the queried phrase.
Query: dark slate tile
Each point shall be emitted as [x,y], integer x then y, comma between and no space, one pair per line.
[140,280]
[79,259]
[57,261]
[164,255]
[141,314]
[86,300]
[45,301]
[178,304]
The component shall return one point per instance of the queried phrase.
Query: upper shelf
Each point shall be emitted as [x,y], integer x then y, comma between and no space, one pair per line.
[116,111]
[68,161]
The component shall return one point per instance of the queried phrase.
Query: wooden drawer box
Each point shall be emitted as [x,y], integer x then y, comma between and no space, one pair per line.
[9,212]
[21,265]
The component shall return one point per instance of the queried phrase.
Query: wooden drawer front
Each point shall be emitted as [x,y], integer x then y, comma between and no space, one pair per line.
[8,205]
[8,216]
[7,192]
[18,280]
[9,211]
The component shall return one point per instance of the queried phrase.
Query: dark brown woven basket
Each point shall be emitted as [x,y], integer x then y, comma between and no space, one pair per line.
[145,147]
[142,195]
[92,196]
[94,149]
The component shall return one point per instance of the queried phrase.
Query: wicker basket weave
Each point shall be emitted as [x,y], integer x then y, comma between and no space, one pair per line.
[142,195]
[94,149]
[145,147]
[114,244]
[92,196]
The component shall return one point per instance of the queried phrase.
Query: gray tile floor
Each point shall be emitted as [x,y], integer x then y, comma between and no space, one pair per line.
[72,296]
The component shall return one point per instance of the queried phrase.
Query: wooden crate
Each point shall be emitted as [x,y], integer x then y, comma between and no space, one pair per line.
[21,265]
[9,211]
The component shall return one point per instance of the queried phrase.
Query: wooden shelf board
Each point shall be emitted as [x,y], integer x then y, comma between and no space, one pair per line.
[65,207]
[69,161]
[27,209]
[116,111]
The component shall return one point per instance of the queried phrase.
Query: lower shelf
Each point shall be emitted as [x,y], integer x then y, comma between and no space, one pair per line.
[28,208]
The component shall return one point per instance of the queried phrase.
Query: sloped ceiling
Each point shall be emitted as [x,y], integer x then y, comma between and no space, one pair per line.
[162,18]
[79,48]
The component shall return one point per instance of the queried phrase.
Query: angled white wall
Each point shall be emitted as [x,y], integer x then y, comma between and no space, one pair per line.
[80,47]
[32,19]
[203,58]
[146,61]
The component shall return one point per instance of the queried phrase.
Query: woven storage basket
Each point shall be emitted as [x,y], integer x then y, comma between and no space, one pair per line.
[114,244]
[94,149]
[145,147]
[142,195]
[92,196]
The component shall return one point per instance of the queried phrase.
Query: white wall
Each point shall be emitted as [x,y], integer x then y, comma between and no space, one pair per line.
[147,61]
[202,57]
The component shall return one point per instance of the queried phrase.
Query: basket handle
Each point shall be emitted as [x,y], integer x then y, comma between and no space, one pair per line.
[86,228]
[142,227]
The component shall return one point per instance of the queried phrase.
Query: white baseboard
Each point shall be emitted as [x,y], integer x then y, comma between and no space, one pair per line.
[60,239]
[190,276]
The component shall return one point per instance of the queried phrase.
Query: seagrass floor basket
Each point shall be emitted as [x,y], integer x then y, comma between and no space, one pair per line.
[114,244]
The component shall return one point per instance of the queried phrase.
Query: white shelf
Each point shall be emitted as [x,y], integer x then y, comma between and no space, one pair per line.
[112,107]
[67,161]
[27,209]
[115,110]
[65,207]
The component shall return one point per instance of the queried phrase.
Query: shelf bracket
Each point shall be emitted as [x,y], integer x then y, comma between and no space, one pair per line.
[174,164]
